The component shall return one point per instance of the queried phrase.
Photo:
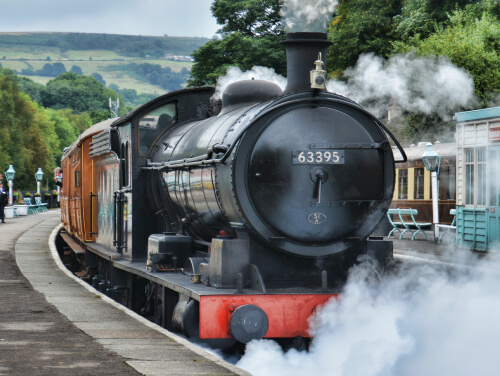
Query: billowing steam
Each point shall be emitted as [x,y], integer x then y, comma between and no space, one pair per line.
[420,84]
[307,15]
[425,321]
[425,85]
[235,74]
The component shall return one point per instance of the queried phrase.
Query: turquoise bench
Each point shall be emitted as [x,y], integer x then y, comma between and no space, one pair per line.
[409,225]
[41,206]
[32,209]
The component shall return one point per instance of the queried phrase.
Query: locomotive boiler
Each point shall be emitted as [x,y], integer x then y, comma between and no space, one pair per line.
[235,220]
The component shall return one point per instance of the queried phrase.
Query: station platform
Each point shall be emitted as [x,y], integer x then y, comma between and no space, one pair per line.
[423,250]
[52,323]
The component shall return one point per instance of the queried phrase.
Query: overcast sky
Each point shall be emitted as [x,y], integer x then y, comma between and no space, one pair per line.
[131,17]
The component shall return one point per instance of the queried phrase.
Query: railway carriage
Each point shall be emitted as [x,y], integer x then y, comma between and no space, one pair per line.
[413,182]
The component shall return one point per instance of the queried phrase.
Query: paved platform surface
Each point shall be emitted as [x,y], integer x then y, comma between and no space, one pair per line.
[428,250]
[51,323]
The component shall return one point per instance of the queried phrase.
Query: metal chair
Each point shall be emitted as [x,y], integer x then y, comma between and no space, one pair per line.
[41,206]
[451,230]
[32,209]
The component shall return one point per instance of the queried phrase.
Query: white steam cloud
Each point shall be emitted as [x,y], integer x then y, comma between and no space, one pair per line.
[235,74]
[419,84]
[425,321]
[428,85]
[307,15]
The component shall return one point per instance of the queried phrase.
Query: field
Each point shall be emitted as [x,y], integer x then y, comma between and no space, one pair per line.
[20,51]
[122,79]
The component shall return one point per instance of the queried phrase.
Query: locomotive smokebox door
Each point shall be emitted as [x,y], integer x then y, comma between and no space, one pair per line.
[169,249]
[319,191]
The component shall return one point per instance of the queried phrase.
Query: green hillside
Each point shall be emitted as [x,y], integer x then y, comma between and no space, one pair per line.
[111,56]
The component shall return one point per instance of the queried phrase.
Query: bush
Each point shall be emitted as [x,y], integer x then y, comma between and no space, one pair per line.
[18,198]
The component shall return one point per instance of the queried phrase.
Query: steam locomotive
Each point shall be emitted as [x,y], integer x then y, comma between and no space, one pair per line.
[231,220]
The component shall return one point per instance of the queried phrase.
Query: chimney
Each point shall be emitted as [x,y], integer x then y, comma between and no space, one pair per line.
[302,51]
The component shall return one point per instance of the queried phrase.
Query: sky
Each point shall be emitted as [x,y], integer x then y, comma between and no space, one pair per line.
[191,18]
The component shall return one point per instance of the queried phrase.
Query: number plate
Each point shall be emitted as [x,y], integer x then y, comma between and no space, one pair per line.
[317,157]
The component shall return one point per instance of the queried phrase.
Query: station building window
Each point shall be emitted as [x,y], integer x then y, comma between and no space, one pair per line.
[481,176]
[475,176]
[403,184]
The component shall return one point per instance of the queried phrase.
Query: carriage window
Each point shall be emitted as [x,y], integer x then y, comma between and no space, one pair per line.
[153,124]
[77,178]
[446,183]
[403,184]
[419,184]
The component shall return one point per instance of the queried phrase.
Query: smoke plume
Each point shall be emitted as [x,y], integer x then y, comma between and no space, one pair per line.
[424,321]
[235,74]
[420,84]
[307,15]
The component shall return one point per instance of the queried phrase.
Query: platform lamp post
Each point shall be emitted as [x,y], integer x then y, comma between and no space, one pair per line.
[432,162]
[38,177]
[9,174]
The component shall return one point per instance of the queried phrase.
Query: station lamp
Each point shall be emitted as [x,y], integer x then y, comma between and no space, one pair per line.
[38,177]
[9,174]
[432,162]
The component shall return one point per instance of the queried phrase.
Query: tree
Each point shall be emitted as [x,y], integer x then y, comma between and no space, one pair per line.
[251,34]
[80,93]
[422,17]
[76,69]
[414,19]
[469,42]
[361,26]
[51,70]
[79,122]
[470,39]
[31,88]
[28,137]
[65,132]
[99,78]
[249,17]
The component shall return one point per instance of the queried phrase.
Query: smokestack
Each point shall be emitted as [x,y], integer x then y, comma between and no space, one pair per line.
[302,51]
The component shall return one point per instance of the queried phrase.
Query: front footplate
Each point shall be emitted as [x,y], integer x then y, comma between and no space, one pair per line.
[287,315]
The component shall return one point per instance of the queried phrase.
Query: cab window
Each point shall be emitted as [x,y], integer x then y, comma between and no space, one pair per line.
[153,124]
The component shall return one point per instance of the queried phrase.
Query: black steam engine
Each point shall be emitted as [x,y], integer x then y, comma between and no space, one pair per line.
[248,213]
